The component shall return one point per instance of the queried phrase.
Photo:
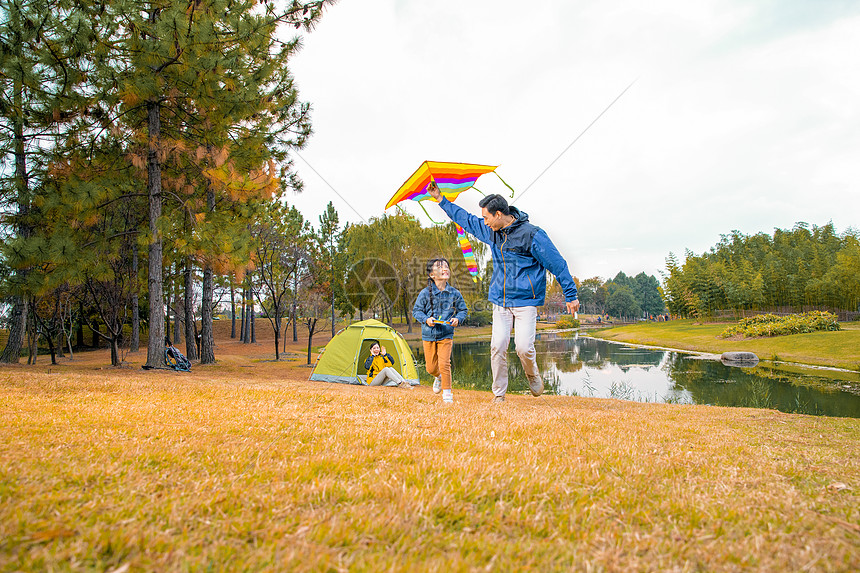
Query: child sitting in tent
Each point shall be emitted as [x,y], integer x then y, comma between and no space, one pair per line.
[380,367]
[439,308]
[174,358]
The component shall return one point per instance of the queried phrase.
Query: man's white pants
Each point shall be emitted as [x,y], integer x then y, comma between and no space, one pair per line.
[523,320]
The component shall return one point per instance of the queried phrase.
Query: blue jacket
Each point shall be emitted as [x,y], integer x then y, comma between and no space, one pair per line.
[522,253]
[447,304]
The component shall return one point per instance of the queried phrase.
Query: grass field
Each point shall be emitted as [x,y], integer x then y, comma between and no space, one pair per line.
[247,466]
[839,349]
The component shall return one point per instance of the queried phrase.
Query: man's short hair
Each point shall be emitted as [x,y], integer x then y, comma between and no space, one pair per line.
[495,203]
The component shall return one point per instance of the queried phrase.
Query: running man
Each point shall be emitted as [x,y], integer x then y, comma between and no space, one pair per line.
[522,253]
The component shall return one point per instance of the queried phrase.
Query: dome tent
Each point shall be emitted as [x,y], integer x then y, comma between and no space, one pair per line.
[343,358]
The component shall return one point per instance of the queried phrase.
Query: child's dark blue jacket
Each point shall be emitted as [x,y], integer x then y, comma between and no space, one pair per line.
[447,304]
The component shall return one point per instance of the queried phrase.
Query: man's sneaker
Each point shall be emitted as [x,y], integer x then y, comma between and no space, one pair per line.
[437,385]
[498,399]
[405,384]
[447,396]
[536,385]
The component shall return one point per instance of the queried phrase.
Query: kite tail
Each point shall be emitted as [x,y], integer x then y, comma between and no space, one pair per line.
[468,255]
[506,185]
[479,191]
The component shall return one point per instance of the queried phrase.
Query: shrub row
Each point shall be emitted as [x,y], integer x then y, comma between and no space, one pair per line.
[773,325]
[566,321]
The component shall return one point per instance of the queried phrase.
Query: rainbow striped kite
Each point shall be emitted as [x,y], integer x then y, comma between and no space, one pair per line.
[452,179]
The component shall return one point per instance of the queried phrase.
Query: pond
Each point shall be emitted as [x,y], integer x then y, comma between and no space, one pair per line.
[576,365]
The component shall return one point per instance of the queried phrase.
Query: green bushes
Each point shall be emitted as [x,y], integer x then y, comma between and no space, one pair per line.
[773,325]
[567,321]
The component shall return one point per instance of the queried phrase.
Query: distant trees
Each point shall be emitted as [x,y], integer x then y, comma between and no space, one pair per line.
[387,258]
[331,263]
[277,236]
[624,296]
[797,268]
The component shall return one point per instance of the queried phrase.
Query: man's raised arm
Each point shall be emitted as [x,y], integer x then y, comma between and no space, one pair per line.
[472,224]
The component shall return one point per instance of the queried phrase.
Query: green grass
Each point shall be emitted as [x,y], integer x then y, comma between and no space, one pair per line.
[838,349]
[229,470]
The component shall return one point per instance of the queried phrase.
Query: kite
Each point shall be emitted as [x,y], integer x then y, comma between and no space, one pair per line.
[452,179]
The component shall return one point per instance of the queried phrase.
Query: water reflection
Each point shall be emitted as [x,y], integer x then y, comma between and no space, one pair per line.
[583,366]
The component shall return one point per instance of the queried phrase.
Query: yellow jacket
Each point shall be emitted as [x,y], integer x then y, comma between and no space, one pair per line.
[376,363]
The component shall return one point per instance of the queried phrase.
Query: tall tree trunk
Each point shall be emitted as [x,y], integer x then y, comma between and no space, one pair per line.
[17,329]
[190,323]
[168,296]
[32,337]
[277,327]
[80,330]
[253,323]
[312,325]
[18,325]
[177,315]
[242,312]
[51,348]
[295,298]
[114,350]
[207,336]
[135,302]
[155,346]
[249,311]
[232,310]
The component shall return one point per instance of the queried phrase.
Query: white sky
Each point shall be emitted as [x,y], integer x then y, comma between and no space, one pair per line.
[744,115]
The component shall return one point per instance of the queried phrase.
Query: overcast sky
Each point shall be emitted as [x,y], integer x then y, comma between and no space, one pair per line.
[743,115]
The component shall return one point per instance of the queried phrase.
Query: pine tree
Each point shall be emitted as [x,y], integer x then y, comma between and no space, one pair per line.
[41,47]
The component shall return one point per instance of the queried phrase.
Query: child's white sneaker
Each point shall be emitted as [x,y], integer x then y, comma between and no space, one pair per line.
[447,396]
[437,385]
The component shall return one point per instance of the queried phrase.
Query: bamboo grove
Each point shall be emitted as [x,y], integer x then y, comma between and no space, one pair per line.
[802,268]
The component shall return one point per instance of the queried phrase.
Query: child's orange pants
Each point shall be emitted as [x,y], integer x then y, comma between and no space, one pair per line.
[437,355]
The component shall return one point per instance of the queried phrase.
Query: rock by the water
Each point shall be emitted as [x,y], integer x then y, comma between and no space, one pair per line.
[739,358]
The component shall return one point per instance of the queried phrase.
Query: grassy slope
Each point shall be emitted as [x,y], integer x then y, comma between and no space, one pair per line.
[246,465]
[840,349]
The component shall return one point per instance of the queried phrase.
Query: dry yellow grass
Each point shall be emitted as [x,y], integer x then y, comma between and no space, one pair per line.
[247,466]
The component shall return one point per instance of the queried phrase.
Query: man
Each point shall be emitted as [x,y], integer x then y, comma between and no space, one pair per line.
[522,253]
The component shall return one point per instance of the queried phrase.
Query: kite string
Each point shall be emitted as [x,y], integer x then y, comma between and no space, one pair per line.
[576,139]
[428,214]
[506,184]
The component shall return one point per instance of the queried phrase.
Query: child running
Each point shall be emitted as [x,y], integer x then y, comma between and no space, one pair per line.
[439,308]
[380,367]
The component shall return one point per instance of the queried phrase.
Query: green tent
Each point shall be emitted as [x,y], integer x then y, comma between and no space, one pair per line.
[343,358]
